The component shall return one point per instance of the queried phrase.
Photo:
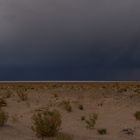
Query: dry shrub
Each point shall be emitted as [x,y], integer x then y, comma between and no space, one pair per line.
[3,103]
[66,105]
[102,131]
[55,95]
[46,123]
[22,95]
[83,118]
[3,117]
[81,107]
[137,115]
[91,121]
[7,94]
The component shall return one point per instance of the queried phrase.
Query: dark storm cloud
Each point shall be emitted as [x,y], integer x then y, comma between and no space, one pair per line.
[79,39]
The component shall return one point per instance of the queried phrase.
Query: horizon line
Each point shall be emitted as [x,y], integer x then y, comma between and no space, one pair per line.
[66,81]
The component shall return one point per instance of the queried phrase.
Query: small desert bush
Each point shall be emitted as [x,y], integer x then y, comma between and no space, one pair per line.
[3,117]
[80,107]
[7,94]
[128,131]
[121,90]
[137,90]
[22,96]
[137,115]
[91,121]
[3,103]
[82,118]
[55,95]
[46,123]
[102,131]
[66,105]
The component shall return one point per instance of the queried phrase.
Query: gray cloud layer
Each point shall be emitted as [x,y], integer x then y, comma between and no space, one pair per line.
[77,34]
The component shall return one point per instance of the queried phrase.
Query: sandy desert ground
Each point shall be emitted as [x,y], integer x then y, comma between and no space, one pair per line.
[114,103]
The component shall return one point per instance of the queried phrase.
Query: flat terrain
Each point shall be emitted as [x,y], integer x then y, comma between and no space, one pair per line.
[114,103]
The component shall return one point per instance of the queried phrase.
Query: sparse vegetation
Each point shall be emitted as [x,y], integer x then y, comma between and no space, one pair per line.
[91,121]
[3,117]
[55,95]
[82,118]
[77,98]
[46,123]
[128,131]
[66,105]
[22,95]
[137,90]
[121,90]
[3,102]
[81,107]
[102,131]
[7,94]
[137,115]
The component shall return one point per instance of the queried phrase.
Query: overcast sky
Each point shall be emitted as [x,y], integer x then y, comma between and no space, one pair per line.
[69,40]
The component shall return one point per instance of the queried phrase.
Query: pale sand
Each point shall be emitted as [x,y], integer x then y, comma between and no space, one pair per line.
[115,109]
